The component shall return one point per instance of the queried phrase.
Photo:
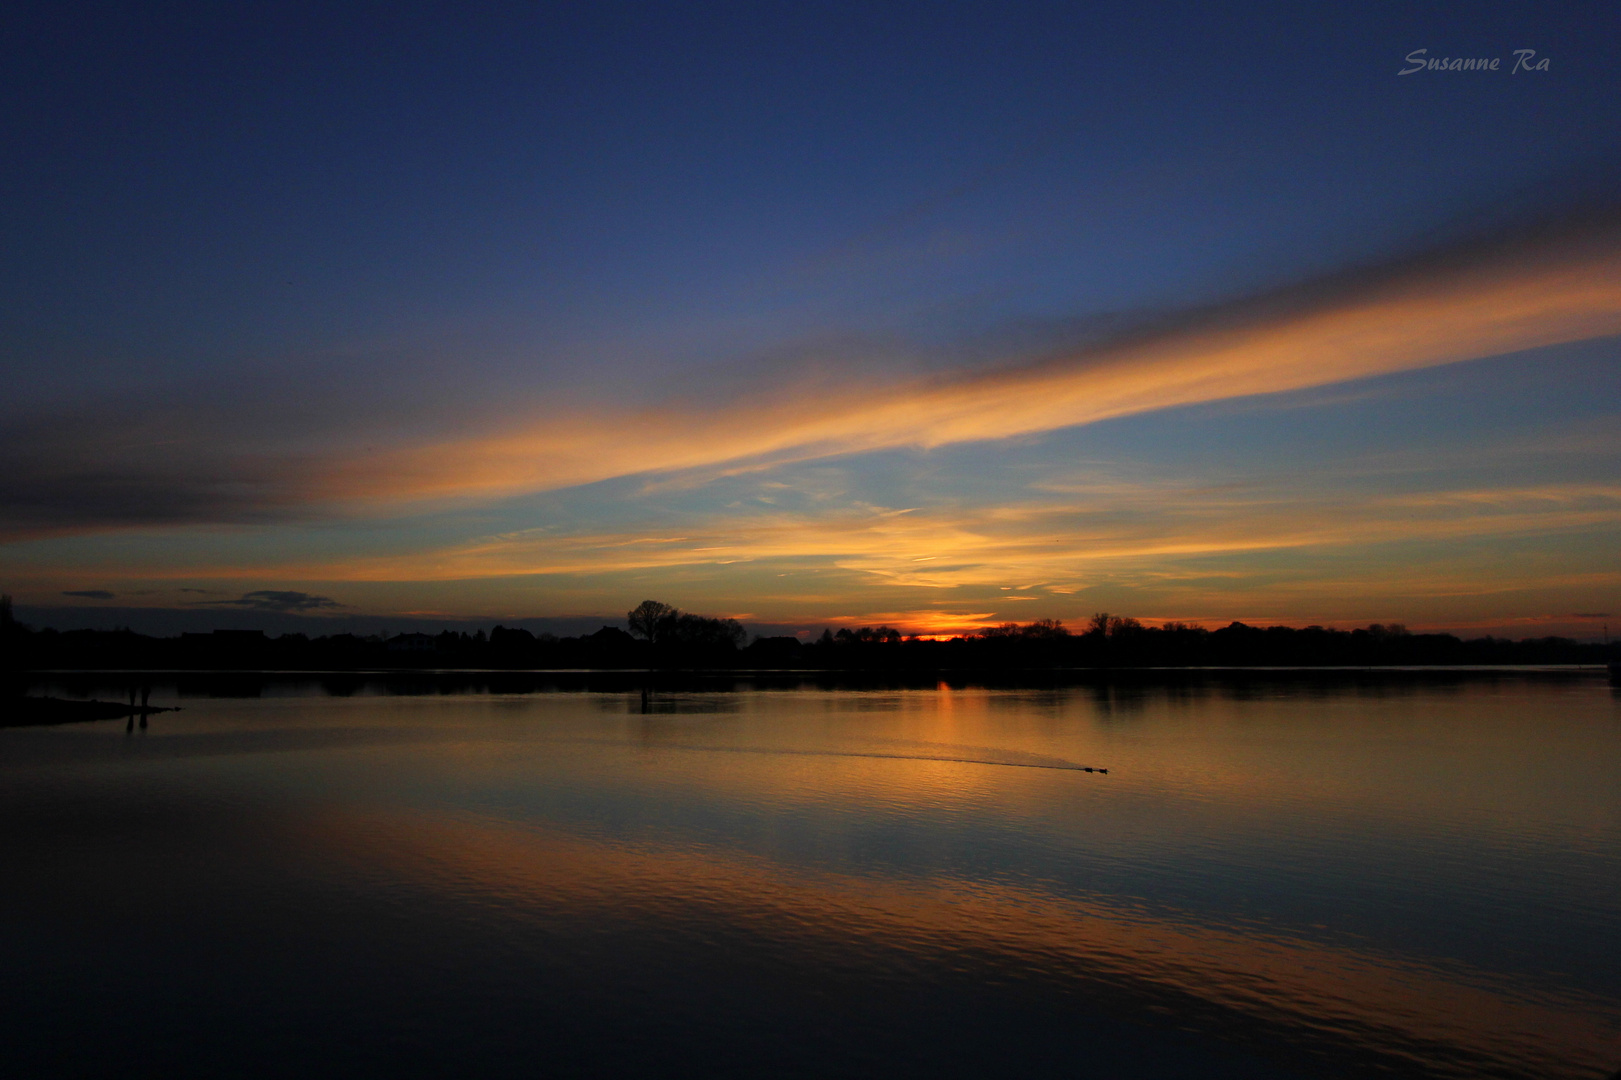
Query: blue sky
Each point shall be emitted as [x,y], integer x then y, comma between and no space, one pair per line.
[542,309]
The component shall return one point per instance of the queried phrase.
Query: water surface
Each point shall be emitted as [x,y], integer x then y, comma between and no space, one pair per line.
[1275,878]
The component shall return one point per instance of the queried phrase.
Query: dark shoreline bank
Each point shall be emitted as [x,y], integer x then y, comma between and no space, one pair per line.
[1014,649]
[29,711]
[252,683]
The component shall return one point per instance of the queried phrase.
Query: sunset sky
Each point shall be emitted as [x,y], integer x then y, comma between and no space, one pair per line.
[936,315]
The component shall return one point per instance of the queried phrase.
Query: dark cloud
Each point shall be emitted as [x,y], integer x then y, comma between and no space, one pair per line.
[1591,615]
[279,600]
[85,470]
[90,594]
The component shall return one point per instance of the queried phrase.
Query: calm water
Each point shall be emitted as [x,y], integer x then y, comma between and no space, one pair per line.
[1272,880]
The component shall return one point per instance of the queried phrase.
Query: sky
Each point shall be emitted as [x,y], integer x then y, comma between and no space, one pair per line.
[935,315]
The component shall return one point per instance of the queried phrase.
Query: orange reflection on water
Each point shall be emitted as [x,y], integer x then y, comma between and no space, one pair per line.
[1107,952]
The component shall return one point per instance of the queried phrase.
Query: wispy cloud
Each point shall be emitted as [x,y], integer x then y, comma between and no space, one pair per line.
[1157,547]
[1483,298]
[1467,302]
[1050,547]
[91,594]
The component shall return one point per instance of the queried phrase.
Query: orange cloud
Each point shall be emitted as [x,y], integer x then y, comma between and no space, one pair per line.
[1473,303]
[1156,537]
[1018,546]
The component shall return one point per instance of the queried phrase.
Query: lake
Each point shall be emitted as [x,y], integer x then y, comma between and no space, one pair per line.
[1278,876]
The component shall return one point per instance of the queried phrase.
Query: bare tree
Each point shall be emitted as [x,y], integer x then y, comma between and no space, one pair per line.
[650,617]
[1113,625]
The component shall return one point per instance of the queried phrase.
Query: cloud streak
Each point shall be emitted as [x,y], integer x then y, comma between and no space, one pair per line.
[1157,530]
[212,464]
[1535,289]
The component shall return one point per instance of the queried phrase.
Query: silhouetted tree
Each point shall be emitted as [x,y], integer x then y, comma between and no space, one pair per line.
[649,618]
[868,635]
[1103,624]
[698,632]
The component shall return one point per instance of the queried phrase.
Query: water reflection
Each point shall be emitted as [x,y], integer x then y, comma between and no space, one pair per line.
[1274,877]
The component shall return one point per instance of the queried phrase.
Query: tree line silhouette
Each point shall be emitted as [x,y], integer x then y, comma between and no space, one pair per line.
[661,636]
